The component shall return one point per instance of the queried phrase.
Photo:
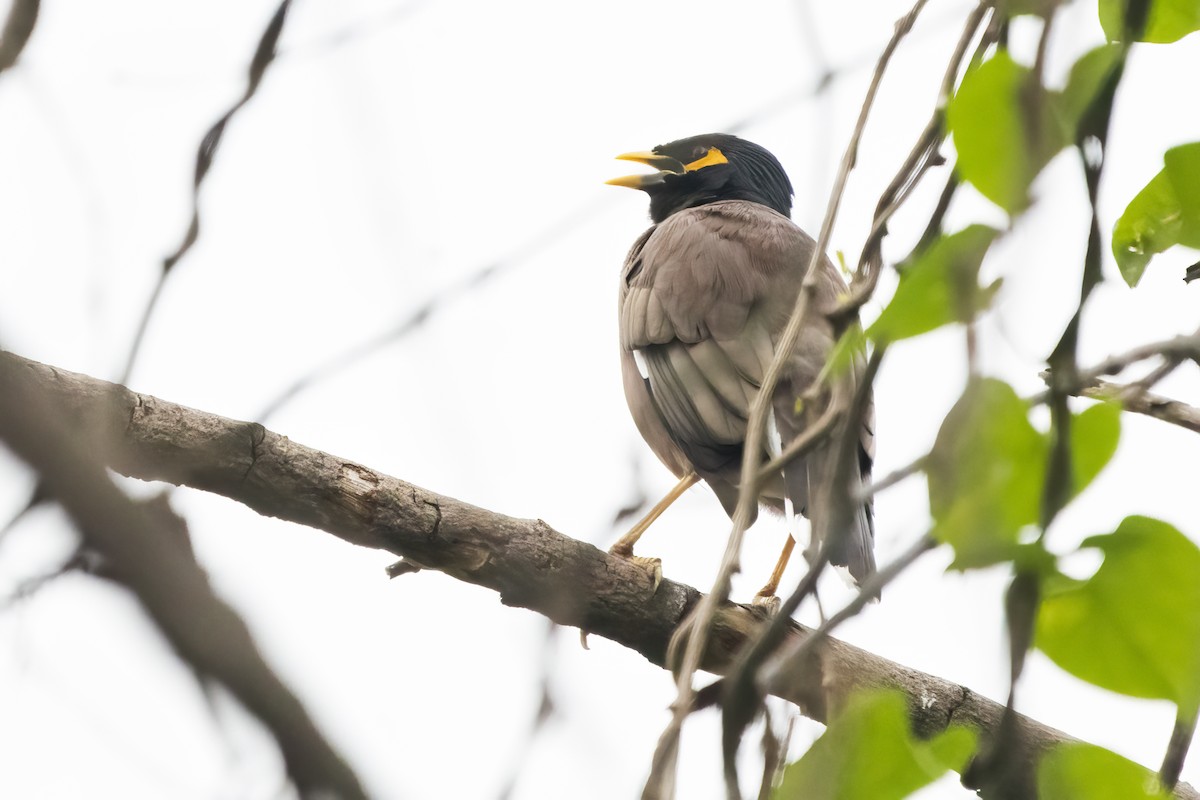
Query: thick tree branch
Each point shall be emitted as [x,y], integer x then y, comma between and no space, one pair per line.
[526,561]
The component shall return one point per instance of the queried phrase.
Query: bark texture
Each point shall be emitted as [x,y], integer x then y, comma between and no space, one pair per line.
[528,563]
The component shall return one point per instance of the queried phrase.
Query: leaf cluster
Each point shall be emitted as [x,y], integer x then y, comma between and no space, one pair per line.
[1133,627]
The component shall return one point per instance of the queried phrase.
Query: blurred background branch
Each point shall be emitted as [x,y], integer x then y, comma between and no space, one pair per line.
[18,27]
[145,549]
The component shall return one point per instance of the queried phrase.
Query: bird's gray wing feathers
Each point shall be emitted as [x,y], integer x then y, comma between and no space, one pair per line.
[808,482]
[704,297]
[700,273]
[698,303]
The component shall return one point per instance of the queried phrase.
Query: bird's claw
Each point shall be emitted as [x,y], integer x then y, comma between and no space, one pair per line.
[768,603]
[652,566]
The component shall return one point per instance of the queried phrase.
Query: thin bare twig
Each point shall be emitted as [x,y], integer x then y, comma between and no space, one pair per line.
[417,317]
[780,671]
[413,320]
[739,699]
[809,438]
[1152,377]
[741,691]
[1182,347]
[895,476]
[920,159]
[994,769]
[1144,402]
[933,228]
[781,763]
[264,54]
[1176,349]
[551,234]
[922,156]
[661,780]
[774,748]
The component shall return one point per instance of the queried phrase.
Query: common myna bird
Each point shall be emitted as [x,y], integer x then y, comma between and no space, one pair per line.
[705,295]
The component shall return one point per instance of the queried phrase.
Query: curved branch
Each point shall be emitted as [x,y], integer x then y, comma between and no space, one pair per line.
[527,562]
[264,54]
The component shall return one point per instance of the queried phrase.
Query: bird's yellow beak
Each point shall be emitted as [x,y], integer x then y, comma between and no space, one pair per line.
[664,165]
[652,159]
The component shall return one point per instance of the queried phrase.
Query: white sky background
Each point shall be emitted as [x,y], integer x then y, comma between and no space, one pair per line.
[374,170]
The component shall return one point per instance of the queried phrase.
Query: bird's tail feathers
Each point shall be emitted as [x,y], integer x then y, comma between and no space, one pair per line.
[852,538]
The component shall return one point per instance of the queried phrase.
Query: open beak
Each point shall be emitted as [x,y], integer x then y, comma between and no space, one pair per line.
[664,165]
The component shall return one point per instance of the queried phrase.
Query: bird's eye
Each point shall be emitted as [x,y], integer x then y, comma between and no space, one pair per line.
[699,151]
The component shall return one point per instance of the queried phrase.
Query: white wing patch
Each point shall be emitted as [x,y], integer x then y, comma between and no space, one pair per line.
[774,440]
[775,448]
[640,360]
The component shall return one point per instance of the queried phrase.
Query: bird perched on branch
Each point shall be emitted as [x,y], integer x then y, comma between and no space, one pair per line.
[705,295]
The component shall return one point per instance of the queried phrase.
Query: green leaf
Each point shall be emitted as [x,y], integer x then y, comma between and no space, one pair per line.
[954,747]
[1152,222]
[1088,76]
[1183,169]
[1077,770]
[940,286]
[988,468]
[985,474]
[1005,130]
[1039,8]
[868,752]
[1166,212]
[1169,20]
[1134,626]
[1094,436]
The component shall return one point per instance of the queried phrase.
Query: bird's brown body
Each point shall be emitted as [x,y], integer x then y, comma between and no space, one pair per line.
[704,297]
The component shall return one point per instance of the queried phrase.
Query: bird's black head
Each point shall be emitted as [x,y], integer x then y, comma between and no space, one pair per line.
[707,168]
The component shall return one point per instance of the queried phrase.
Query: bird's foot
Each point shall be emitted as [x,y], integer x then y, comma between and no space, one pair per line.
[653,566]
[768,603]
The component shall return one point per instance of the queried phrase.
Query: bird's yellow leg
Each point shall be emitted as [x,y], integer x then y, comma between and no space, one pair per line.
[766,595]
[624,545]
